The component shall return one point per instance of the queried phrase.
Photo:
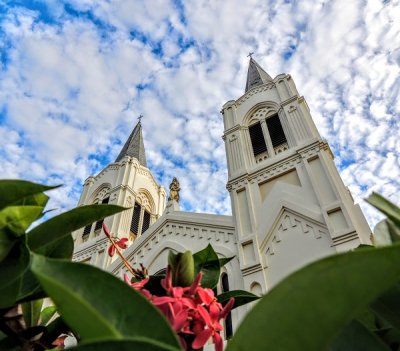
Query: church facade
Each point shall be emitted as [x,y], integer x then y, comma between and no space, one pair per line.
[289,204]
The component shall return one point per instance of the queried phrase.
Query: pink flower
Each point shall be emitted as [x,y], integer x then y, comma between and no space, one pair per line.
[122,243]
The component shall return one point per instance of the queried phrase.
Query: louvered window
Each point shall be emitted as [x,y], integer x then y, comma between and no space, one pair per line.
[135,219]
[86,232]
[257,139]
[146,221]
[99,224]
[87,229]
[276,131]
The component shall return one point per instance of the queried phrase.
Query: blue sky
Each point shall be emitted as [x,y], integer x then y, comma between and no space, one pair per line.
[75,75]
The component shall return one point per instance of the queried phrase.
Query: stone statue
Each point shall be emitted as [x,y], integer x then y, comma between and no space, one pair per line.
[174,190]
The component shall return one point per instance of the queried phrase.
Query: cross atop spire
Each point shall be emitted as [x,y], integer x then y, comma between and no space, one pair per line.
[134,146]
[140,118]
[256,75]
[250,54]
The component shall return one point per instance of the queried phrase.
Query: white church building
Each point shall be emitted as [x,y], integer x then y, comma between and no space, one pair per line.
[289,204]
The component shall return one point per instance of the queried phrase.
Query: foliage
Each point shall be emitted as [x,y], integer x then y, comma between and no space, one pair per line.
[349,301]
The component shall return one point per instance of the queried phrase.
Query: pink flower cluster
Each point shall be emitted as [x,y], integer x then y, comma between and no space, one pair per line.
[194,312]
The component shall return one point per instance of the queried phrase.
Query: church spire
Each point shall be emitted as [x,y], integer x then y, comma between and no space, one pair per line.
[256,75]
[134,146]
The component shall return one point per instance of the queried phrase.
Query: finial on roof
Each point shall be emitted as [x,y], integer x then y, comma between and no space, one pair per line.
[134,146]
[250,54]
[140,118]
[256,75]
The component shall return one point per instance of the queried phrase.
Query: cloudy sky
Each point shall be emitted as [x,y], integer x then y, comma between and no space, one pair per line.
[75,75]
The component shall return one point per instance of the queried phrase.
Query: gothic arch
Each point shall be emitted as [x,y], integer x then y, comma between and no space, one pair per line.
[153,261]
[260,111]
[99,193]
[145,199]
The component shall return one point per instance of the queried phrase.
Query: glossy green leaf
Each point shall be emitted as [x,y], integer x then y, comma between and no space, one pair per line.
[386,207]
[31,312]
[12,269]
[241,297]
[355,336]
[16,219]
[49,238]
[47,314]
[306,310]
[140,344]
[207,262]
[12,190]
[387,306]
[97,305]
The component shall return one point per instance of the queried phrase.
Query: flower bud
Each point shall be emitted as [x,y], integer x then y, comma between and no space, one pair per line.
[182,268]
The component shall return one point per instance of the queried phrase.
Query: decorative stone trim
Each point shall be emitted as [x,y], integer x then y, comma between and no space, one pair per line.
[254,91]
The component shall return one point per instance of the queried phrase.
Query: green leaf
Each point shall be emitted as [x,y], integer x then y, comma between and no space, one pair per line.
[46,314]
[12,269]
[16,219]
[387,306]
[12,190]
[354,337]
[53,237]
[207,262]
[6,244]
[223,261]
[386,207]
[241,297]
[306,310]
[31,312]
[142,344]
[111,310]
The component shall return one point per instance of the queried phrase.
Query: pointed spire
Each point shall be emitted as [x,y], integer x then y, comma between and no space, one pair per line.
[256,75]
[134,146]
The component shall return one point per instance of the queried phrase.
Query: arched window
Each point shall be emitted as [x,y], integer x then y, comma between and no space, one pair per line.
[141,216]
[228,320]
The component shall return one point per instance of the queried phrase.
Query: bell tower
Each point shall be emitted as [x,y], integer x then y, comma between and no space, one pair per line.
[126,182]
[289,203]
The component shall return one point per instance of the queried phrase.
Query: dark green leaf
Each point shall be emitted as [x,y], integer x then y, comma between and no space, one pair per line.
[112,310]
[30,288]
[6,243]
[46,314]
[16,219]
[49,237]
[310,307]
[386,207]
[355,337]
[223,261]
[31,312]
[207,262]
[12,190]
[387,306]
[241,297]
[140,344]
[12,269]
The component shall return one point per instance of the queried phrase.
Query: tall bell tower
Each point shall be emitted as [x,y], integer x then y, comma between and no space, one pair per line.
[289,203]
[126,182]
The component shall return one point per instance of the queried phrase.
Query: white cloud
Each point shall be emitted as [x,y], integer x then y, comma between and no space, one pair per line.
[71,86]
